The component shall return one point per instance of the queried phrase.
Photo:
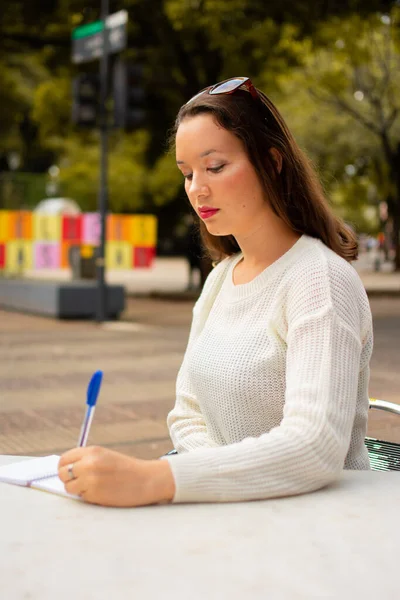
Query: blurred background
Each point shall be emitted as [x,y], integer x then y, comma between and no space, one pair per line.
[333,68]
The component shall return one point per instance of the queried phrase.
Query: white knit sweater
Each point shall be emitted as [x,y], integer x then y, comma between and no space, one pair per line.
[272,394]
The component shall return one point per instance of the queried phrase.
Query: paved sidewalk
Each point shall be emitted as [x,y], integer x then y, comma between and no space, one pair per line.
[45,366]
[170,276]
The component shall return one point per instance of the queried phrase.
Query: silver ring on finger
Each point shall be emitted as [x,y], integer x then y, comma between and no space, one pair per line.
[70,469]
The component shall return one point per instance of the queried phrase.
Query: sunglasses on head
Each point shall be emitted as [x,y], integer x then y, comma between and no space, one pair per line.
[229,86]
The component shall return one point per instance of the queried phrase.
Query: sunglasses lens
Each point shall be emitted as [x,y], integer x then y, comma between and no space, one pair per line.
[228,86]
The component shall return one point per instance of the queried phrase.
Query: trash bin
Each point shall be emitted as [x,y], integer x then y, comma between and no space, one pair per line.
[82,261]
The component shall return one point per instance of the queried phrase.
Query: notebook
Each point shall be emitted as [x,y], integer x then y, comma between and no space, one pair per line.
[39,473]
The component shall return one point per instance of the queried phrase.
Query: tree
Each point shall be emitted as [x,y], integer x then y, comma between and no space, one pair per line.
[372,97]
[352,73]
[184,46]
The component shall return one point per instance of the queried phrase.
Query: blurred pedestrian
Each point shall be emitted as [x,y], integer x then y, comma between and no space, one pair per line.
[381,241]
[272,394]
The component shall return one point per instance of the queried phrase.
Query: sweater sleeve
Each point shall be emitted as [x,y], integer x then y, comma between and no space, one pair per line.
[307,450]
[185,421]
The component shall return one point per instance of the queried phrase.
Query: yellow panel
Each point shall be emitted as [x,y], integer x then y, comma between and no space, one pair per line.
[5,230]
[47,228]
[19,256]
[87,251]
[143,230]
[118,255]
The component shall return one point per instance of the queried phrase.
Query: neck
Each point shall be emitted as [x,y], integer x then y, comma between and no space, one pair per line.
[266,242]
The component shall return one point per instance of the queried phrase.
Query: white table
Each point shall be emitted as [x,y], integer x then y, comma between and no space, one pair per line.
[339,543]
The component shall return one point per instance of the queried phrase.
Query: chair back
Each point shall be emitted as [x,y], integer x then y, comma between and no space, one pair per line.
[383,456]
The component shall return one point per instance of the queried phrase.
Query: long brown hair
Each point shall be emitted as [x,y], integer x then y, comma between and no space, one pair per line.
[295,193]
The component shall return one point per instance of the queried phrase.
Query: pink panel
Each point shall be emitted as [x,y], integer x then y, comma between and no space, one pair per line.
[47,255]
[91,229]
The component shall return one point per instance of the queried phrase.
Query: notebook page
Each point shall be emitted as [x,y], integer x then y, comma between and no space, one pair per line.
[53,485]
[24,471]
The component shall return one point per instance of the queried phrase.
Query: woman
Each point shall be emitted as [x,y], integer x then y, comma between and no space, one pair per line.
[272,394]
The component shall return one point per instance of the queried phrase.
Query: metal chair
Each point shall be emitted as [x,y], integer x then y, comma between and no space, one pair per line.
[383,456]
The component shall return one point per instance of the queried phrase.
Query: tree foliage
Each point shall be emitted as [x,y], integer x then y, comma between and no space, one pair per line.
[346,111]
[292,50]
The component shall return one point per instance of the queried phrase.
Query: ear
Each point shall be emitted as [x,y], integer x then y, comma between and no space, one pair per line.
[277,158]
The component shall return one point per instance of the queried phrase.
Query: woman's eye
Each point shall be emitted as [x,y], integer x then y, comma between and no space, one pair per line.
[216,169]
[189,176]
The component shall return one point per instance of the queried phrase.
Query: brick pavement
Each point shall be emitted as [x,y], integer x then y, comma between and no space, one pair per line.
[45,366]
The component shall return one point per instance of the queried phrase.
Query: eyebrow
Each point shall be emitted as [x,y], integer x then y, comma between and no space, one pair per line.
[206,153]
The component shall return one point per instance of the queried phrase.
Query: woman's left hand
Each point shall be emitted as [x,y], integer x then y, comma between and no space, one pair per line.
[105,477]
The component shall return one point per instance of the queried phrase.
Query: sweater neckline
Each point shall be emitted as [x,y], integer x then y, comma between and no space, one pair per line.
[243,290]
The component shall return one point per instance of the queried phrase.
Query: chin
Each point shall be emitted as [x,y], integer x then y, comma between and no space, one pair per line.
[217,231]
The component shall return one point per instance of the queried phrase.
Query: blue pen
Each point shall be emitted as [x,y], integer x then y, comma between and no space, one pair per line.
[91,399]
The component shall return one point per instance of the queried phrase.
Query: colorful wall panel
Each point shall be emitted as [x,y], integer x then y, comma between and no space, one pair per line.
[118,255]
[19,256]
[143,257]
[71,229]
[47,228]
[5,226]
[23,225]
[64,254]
[15,225]
[143,230]
[43,241]
[91,229]
[117,230]
[2,255]
[47,255]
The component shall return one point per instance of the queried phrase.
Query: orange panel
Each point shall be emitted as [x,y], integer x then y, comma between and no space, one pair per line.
[117,228]
[22,225]
[64,262]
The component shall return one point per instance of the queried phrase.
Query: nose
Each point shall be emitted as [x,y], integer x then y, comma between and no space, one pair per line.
[198,187]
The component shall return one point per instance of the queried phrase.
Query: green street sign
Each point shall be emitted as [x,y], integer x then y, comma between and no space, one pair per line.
[86,30]
[91,40]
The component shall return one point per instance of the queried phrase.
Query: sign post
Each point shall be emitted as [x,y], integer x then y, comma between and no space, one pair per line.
[89,42]
[103,188]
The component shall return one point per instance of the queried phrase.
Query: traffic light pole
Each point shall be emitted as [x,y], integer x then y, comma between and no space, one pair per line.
[101,313]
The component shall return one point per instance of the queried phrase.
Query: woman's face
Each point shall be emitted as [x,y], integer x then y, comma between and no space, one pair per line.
[220,181]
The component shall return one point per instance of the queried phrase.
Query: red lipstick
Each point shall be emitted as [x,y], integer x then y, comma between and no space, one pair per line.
[206,212]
